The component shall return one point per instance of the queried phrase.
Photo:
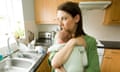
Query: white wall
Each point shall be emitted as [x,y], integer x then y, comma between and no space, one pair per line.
[28,12]
[92,23]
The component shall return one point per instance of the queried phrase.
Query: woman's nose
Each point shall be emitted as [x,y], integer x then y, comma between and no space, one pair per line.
[60,23]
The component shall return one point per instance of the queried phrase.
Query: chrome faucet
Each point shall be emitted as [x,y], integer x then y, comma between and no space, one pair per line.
[9,49]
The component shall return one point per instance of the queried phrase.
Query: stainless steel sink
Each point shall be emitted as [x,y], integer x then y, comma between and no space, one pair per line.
[20,62]
[28,55]
[15,64]
[14,69]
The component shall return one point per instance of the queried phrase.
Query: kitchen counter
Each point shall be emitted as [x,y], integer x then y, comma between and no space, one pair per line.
[44,65]
[38,63]
[110,44]
[31,61]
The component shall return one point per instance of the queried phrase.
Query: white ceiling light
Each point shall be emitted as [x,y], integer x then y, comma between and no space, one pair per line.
[90,5]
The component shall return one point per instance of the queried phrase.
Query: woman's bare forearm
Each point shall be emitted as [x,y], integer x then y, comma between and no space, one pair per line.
[62,55]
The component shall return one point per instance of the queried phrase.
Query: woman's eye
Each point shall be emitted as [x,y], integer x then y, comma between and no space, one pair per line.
[61,19]
[64,18]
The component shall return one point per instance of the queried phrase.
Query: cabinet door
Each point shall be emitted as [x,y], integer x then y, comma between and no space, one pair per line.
[112,15]
[115,64]
[111,61]
[106,62]
[44,66]
[45,11]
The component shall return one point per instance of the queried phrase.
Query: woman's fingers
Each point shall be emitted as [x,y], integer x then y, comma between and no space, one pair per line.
[80,41]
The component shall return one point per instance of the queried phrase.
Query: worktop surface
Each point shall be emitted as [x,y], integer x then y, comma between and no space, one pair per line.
[110,44]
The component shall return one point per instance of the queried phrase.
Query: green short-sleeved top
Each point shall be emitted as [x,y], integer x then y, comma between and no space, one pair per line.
[91,49]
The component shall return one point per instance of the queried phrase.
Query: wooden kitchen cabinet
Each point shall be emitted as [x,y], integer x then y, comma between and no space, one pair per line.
[112,14]
[44,66]
[45,10]
[111,61]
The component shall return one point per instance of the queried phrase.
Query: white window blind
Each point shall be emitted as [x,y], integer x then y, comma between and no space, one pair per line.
[11,19]
[11,16]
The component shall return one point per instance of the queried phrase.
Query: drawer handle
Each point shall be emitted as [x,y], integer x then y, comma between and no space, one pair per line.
[108,57]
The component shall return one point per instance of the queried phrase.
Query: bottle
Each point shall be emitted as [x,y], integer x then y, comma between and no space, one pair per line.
[1,57]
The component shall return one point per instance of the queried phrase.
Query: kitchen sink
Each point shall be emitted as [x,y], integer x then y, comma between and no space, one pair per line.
[15,64]
[28,55]
[21,61]
[14,69]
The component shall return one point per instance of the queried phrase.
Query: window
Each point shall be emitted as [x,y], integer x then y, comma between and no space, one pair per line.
[11,16]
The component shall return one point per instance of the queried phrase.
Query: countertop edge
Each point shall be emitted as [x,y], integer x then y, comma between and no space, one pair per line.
[109,45]
[38,63]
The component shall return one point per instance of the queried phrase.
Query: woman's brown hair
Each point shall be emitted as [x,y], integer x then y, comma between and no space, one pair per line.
[73,9]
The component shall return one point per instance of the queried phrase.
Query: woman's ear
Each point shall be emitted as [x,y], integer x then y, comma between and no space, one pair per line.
[77,18]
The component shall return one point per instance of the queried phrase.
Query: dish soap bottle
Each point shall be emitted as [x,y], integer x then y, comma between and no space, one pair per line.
[1,57]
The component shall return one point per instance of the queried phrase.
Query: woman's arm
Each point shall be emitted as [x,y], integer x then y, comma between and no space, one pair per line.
[60,69]
[61,57]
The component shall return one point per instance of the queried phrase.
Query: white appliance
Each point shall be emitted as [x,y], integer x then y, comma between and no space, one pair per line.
[100,51]
[90,5]
[100,54]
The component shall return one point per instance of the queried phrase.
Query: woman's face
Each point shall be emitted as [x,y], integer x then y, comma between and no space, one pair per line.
[66,21]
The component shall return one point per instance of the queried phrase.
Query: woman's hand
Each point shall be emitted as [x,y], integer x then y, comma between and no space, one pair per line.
[60,69]
[79,41]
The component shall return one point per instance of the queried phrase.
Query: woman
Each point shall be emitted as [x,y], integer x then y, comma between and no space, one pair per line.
[77,58]
[70,19]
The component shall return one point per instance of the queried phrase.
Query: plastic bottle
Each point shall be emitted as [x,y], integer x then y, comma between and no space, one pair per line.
[1,57]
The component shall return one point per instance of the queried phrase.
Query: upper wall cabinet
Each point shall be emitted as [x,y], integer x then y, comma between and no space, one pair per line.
[112,14]
[45,10]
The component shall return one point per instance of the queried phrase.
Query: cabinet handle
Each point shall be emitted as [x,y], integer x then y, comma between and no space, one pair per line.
[115,20]
[108,57]
[115,52]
